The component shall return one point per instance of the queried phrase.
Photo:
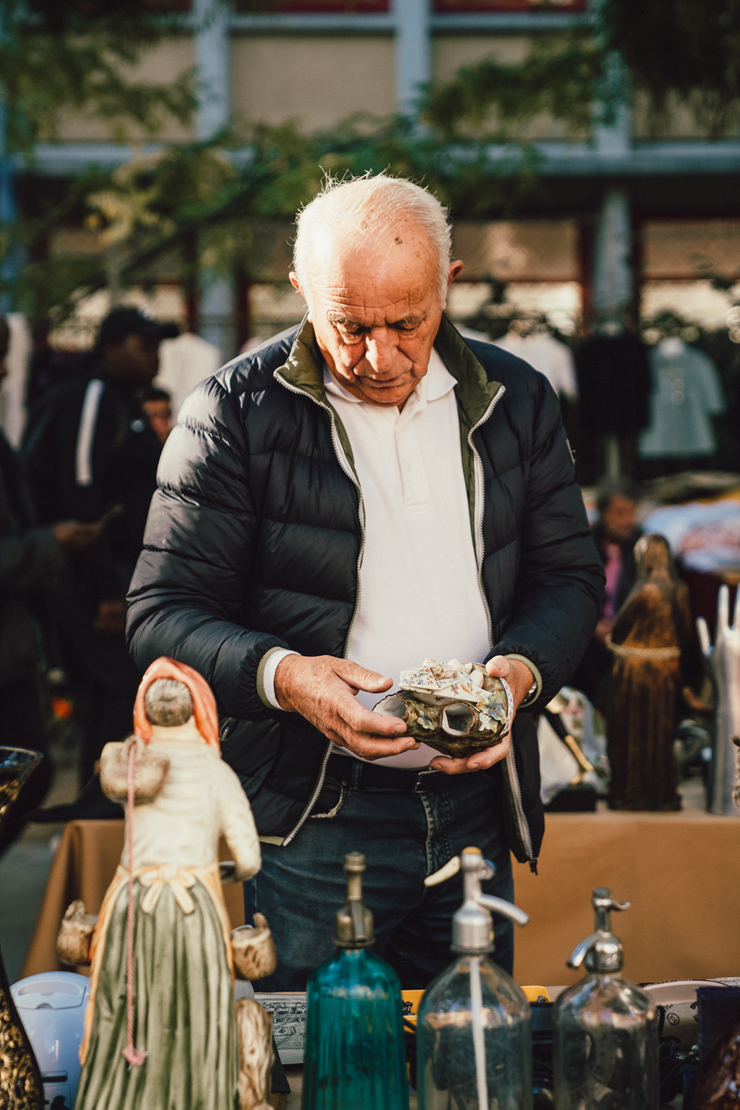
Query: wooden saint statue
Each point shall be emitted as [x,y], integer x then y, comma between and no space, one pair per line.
[646,640]
[161,1027]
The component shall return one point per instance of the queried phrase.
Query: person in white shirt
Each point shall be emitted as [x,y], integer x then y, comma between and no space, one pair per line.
[353,496]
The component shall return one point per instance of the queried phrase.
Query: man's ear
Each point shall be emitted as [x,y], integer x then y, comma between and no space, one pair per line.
[454,272]
[297,286]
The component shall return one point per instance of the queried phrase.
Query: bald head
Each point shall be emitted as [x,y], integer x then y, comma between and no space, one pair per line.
[363,217]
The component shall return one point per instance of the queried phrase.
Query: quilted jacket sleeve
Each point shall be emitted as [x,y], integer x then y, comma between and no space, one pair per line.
[561,577]
[189,587]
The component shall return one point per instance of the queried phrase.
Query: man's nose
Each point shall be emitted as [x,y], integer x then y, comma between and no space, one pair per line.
[380,350]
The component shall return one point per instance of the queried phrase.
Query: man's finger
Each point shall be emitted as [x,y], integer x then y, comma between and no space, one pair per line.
[361,677]
[362,720]
[478,762]
[499,666]
[376,747]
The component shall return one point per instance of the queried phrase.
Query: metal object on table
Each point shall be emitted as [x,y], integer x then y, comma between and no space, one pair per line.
[552,712]
[21,1087]
[722,662]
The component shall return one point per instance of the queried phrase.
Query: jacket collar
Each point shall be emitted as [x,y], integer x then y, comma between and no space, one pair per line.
[474,391]
[304,370]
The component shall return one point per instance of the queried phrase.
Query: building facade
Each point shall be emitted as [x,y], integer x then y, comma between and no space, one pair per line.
[619,222]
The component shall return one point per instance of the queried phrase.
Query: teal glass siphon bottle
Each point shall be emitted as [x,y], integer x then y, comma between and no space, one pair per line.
[354,1051]
[474,1028]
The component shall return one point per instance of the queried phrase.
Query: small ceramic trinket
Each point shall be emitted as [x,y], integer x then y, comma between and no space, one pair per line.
[457,708]
[75,935]
[161,1027]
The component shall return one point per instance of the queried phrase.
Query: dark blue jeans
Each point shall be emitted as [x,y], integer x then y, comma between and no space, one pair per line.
[407,824]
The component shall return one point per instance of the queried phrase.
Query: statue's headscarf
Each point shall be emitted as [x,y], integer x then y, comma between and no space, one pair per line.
[204,703]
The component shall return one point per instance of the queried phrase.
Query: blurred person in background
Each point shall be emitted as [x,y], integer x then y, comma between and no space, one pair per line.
[32,558]
[92,453]
[157,404]
[615,534]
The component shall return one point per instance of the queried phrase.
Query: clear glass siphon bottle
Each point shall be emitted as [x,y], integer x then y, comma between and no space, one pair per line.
[354,1050]
[605,1031]
[474,1027]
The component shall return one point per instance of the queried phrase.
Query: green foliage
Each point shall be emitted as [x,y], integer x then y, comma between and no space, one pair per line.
[685,51]
[211,206]
[59,56]
[560,76]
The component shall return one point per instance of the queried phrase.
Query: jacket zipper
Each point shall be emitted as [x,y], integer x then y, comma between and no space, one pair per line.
[516,790]
[344,463]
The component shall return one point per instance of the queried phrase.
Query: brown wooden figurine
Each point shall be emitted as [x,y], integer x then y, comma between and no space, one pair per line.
[646,640]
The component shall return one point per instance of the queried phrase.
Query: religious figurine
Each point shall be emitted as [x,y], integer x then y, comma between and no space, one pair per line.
[723,664]
[646,640]
[161,1029]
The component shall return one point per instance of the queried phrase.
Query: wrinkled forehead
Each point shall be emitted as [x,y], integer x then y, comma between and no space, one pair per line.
[399,265]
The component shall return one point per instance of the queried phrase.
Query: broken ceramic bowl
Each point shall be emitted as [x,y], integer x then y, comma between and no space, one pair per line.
[422,721]
[456,708]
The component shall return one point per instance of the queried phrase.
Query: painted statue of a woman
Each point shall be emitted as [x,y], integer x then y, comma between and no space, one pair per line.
[160,1028]
[646,640]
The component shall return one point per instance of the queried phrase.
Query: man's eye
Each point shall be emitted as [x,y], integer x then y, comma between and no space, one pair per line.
[352,332]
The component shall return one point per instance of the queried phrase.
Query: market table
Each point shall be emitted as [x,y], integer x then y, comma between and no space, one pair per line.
[679,870]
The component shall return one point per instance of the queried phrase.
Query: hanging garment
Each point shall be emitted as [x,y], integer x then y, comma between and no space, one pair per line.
[183,363]
[686,392]
[548,355]
[614,383]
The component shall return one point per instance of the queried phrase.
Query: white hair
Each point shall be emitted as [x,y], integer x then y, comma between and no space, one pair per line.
[365,208]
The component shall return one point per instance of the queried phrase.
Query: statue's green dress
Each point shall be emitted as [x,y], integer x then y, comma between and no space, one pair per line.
[187,1025]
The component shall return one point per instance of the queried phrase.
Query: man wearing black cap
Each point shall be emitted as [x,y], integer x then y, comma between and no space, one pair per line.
[92,453]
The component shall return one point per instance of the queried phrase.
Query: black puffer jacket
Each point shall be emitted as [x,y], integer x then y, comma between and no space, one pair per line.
[254,537]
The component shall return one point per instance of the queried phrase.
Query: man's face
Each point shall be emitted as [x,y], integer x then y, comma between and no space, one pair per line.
[618,518]
[135,361]
[159,414]
[376,312]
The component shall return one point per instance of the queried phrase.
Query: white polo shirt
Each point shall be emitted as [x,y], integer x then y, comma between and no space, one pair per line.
[420,592]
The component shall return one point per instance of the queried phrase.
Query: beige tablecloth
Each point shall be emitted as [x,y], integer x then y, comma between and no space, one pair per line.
[680,871]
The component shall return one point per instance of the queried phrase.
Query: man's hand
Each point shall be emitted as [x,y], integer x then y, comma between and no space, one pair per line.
[73,536]
[520,679]
[322,689]
[111,617]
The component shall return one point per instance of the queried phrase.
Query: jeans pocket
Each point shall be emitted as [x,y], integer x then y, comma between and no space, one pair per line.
[331,799]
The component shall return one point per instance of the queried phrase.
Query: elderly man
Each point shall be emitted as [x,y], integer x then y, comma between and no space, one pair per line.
[359,493]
